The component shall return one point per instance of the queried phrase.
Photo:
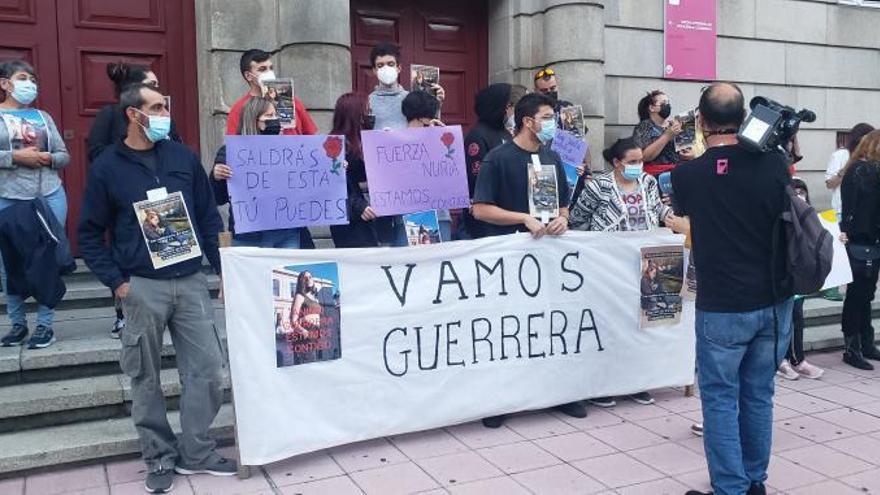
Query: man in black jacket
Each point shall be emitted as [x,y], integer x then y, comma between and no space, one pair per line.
[146,165]
[494,106]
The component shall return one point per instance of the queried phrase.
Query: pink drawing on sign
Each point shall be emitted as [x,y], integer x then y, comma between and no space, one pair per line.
[721,166]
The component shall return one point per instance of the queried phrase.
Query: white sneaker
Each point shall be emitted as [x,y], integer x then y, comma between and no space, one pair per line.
[808,370]
[786,371]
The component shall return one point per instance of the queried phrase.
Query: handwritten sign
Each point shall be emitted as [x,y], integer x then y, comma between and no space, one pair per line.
[571,149]
[417,169]
[282,182]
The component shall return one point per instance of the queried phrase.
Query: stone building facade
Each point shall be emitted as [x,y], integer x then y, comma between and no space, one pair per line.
[817,54]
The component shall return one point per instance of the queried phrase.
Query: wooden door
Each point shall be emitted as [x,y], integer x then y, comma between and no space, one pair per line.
[93,33]
[29,32]
[452,35]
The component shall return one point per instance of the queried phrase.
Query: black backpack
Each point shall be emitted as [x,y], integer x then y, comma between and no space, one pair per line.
[809,247]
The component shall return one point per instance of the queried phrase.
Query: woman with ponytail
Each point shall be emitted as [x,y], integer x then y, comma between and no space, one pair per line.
[110,123]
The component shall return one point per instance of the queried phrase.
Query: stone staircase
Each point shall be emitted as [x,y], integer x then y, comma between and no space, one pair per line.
[70,403]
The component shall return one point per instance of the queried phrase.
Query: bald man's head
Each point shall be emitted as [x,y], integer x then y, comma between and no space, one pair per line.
[722,106]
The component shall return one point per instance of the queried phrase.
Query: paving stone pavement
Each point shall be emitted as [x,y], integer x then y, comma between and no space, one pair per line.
[826,441]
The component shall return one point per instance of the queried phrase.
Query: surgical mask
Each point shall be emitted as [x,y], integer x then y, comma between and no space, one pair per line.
[510,123]
[24,91]
[665,110]
[273,127]
[632,171]
[158,128]
[265,76]
[548,131]
[387,75]
[368,122]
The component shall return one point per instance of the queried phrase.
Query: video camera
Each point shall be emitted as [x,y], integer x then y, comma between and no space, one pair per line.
[771,125]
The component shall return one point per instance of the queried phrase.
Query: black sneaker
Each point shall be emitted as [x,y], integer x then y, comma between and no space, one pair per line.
[697,429]
[43,337]
[15,336]
[218,466]
[494,421]
[603,402]
[697,492]
[757,489]
[573,409]
[161,481]
[643,398]
[117,329]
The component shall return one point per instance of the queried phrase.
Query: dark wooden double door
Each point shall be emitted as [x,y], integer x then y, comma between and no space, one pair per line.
[70,42]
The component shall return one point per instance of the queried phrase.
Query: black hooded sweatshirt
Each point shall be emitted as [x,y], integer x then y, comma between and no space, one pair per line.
[488,133]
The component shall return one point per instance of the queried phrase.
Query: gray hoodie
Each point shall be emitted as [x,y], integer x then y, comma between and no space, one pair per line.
[386,105]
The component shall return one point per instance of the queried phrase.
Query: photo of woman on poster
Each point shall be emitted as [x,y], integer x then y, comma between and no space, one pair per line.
[305,317]
[158,236]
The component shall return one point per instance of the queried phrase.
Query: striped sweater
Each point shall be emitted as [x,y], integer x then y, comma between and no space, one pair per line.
[600,207]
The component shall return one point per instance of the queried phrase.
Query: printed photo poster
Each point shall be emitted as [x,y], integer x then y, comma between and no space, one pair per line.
[27,129]
[572,120]
[167,229]
[543,193]
[424,78]
[307,322]
[688,135]
[422,228]
[661,285]
[572,177]
[280,91]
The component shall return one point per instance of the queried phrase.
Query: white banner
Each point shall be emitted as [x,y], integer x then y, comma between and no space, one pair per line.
[329,347]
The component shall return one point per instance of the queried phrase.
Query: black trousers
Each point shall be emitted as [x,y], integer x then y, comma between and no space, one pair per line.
[795,352]
[859,294]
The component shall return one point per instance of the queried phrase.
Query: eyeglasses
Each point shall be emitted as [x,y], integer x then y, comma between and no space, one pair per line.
[547,72]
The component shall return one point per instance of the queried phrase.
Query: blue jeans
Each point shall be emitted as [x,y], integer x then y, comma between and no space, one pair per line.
[736,367]
[445,230]
[282,238]
[57,201]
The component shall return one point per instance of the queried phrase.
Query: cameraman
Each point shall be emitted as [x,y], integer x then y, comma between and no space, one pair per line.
[733,198]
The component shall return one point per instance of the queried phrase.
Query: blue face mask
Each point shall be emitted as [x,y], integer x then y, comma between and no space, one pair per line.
[632,171]
[158,128]
[548,131]
[24,91]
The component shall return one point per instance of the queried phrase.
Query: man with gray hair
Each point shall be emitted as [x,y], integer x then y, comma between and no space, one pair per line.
[146,166]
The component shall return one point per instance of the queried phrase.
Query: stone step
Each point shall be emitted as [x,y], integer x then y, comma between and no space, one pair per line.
[86,291]
[40,405]
[86,441]
[84,348]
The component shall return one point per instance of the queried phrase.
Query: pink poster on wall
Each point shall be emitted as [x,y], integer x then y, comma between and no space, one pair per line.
[690,37]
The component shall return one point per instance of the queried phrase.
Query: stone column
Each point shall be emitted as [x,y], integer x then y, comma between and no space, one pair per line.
[526,35]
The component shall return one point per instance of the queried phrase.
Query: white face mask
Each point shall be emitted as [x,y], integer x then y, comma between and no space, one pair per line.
[387,75]
[265,76]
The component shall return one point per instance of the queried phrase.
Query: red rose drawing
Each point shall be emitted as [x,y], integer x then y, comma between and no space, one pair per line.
[333,148]
[474,149]
[447,139]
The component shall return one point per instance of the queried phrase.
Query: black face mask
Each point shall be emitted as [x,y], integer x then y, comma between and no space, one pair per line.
[553,95]
[273,127]
[368,122]
[665,111]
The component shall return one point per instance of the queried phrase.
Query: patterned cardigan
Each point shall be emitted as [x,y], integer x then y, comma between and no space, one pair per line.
[600,207]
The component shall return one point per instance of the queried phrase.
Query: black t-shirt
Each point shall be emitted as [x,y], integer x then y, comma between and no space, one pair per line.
[733,208]
[504,182]
[148,158]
